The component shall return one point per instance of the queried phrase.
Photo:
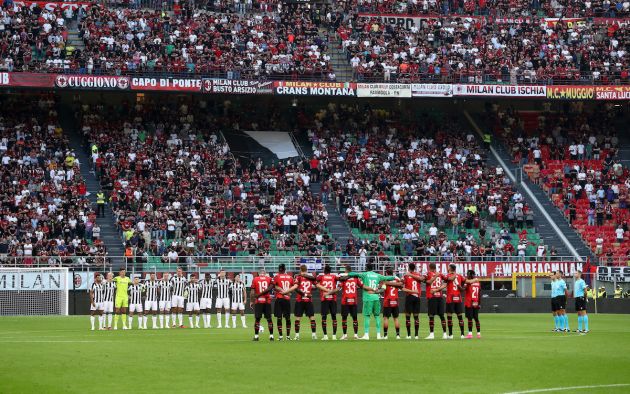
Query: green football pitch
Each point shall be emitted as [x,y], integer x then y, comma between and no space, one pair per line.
[517,353]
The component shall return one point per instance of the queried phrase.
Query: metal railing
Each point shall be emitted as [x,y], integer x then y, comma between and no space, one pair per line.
[253,263]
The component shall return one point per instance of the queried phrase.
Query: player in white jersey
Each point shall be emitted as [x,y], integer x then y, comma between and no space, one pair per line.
[205,304]
[192,301]
[223,298]
[97,295]
[179,282]
[109,288]
[239,297]
[151,300]
[164,304]
[135,302]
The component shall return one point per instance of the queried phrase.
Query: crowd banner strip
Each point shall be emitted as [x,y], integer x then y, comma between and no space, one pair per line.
[305,88]
[393,90]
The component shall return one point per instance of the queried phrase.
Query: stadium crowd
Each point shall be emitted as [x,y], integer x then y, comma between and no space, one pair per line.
[45,213]
[573,156]
[177,191]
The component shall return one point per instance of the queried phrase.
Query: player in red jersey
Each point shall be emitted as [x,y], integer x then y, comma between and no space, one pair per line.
[454,286]
[283,284]
[260,301]
[303,286]
[327,283]
[413,290]
[472,302]
[349,288]
[435,302]
[390,304]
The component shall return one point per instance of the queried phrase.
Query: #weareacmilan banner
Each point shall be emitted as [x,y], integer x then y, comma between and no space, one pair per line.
[500,90]
[431,90]
[383,90]
[297,88]
[497,269]
[166,84]
[236,86]
[613,274]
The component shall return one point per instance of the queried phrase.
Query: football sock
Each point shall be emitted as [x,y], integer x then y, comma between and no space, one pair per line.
[243,320]
[579,319]
[270,326]
[227,319]
[566,321]
[219,318]
[109,319]
[416,324]
[385,329]
[256,327]
[313,326]
[324,326]
[378,324]
[408,325]
[196,320]
[124,319]
[344,326]
[450,325]
[355,326]
[556,320]
[297,326]
[154,321]
[190,321]
[431,323]
[469,325]
[398,331]
[287,326]
[366,324]
[585,321]
[334,326]
[234,320]
[478,325]
[180,317]
[443,323]
[168,320]
[461,323]
[279,324]
[92,321]
[130,320]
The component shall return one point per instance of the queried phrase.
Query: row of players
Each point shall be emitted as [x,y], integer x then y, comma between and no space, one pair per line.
[167,296]
[373,286]
[112,297]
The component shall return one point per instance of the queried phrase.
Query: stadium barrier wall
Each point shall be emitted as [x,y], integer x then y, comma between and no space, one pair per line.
[79,304]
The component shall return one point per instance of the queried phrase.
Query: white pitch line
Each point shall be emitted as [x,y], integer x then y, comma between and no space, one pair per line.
[569,388]
[51,341]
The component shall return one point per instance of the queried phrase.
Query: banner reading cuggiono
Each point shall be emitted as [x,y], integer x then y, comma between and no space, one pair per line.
[393,90]
[296,88]
[497,269]
[236,86]
[613,274]
[431,90]
[91,82]
[51,5]
[500,90]
[166,84]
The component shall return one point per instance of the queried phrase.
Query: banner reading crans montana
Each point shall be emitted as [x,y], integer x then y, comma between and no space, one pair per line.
[305,88]
[497,269]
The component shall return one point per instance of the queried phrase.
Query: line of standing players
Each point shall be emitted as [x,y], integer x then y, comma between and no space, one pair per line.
[280,286]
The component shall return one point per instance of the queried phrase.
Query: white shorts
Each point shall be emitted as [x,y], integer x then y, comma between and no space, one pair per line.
[165,305]
[135,308]
[150,306]
[206,303]
[98,306]
[238,306]
[177,302]
[192,306]
[108,306]
[223,303]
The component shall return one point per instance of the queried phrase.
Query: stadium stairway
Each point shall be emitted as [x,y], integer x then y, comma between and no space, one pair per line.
[339,60]
[337,226]
[73,35]
[109,234]
[543,226]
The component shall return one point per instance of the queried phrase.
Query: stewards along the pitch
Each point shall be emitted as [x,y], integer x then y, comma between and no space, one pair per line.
[265,288]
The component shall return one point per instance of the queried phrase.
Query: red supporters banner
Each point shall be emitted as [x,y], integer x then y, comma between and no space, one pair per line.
[166,84]
[571,92]
[497,269]
[27,80]
[51,5]
[91,82]
[237,86]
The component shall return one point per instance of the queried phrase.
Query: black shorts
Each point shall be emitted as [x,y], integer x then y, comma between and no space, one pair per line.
[329,307]
[580,304]
[559,302]
[454,307]
[390,311]
[412,305]
[282,308]
[436,306]
[261,310]
[304,308]
[472,313]
[349,310]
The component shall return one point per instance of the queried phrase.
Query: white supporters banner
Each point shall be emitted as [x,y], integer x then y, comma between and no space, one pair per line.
[613,274]
[383,90]
[431,90]
[500,90]
[32,280]
[34,291]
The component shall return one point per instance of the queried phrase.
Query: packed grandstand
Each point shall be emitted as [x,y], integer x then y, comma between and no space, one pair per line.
[403,182]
